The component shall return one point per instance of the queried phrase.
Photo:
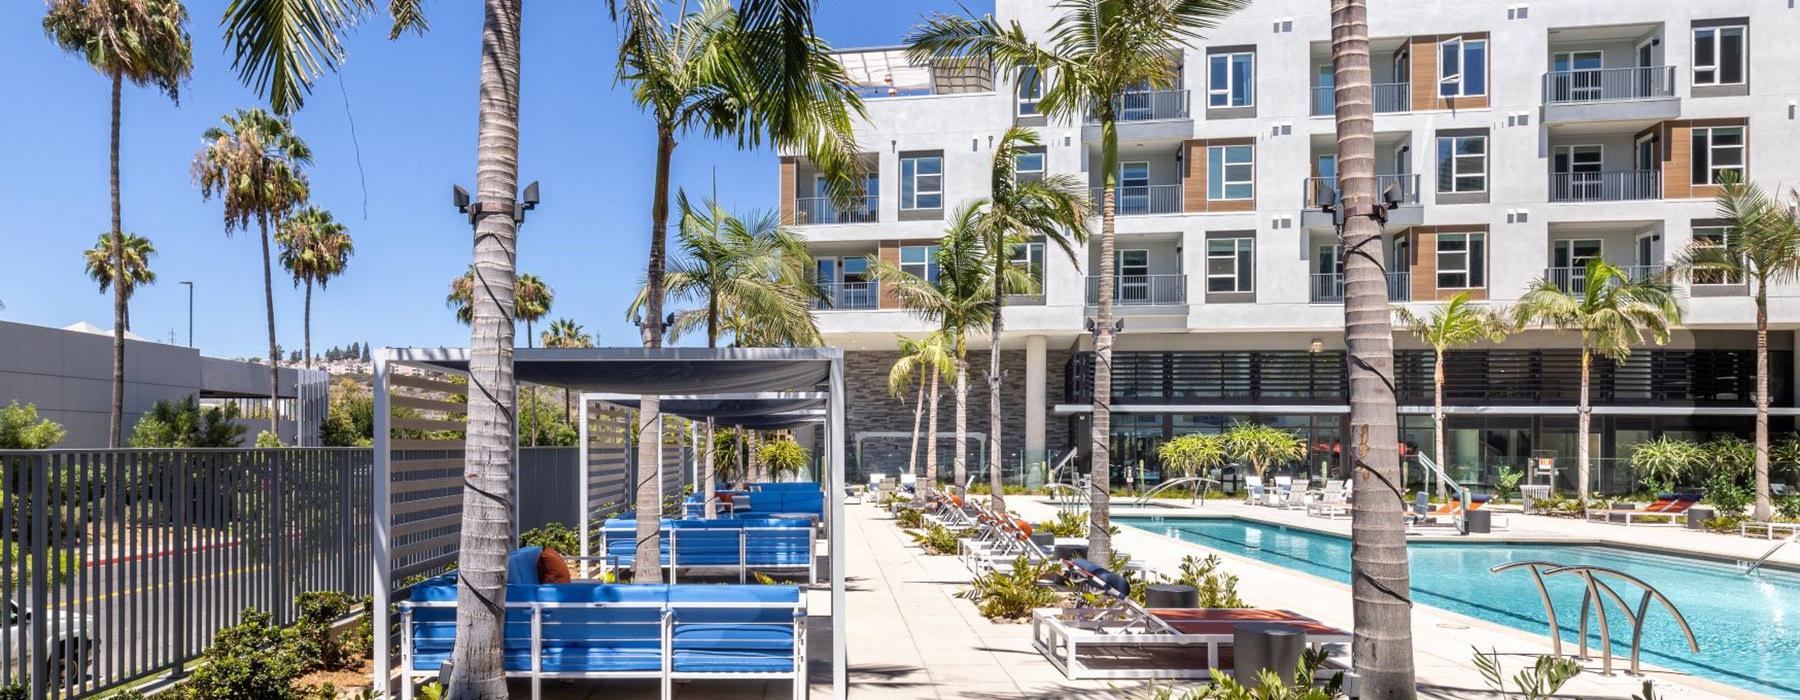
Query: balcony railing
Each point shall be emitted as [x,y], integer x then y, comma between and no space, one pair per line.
[850,296]
[1388,98]
[1609,84]
[1153,199]
[1613,186]
[1141,290]
[1150,105]
[1319,189]
[1573,280]
[821,210]
[1328,288]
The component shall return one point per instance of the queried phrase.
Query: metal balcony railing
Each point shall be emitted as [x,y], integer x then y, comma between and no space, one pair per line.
[1142,290]
[1388,98]
[1328,287]
[1609,84]
[1320,189]
[1611,186]
[1573,280]
[1150,105]
[850,296]
[1153,199]
[821,210]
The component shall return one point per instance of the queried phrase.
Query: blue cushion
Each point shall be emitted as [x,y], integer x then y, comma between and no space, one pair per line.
[735,661]
[522,566]
[614,659]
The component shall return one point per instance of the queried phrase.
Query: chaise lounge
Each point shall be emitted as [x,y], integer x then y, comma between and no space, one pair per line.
[1673,506]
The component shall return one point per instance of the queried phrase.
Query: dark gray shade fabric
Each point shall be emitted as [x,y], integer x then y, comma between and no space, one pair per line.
[773,413]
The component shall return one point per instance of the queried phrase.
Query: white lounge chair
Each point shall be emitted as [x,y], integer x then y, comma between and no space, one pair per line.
[1254,490]
[1284,489]
[1332,502]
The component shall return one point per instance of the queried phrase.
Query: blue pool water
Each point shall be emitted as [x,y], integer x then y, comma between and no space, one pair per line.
[1748,626]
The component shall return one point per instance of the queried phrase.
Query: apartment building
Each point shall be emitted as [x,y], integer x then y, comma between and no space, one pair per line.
[1524,139]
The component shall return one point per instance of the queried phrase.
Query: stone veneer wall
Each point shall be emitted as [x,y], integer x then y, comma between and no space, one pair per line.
[871,409]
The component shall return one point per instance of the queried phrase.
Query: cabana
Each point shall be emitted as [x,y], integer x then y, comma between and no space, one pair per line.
[419,457]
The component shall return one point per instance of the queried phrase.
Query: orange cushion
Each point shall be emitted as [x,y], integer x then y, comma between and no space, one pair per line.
[552,568]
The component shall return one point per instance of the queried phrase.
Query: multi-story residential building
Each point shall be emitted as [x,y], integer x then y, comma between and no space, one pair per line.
[1524,139]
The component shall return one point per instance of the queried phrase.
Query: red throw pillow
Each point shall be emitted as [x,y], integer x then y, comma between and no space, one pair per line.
[552,568]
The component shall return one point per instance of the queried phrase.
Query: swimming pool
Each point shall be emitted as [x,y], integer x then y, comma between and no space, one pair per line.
[1748,626]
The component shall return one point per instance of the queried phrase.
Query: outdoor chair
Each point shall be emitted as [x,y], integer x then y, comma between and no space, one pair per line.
[1253,490]
[1673,506]
[1299,495]
[732,544]
[1284,490]
[1332,502]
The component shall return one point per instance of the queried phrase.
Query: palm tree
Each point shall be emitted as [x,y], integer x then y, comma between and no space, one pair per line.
[1052,208]
[1456,324]
[919,359]
[1382,643]
[752,276]
[254,165]
[1613,313]
[101,266]
[1762,246]
[566,333]
[532,299]
[145,42]
[314,249]
[1098,51]
[960,300]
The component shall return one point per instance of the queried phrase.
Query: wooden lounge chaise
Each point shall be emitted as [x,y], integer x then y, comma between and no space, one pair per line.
[1673,506]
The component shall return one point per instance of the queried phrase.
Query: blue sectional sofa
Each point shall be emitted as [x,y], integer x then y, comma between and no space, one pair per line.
[741,544]
[798,498]
[609,630]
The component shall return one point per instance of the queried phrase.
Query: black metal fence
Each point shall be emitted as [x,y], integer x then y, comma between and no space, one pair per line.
[123,564]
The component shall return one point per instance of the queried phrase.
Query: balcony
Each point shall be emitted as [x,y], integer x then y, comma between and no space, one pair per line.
[1388,98]
[1142,290]
[821,210]
[1328,288]
[1573,280]
[1612,186]
[1152,199]
[849,296]
[1611,94]
[1150,105]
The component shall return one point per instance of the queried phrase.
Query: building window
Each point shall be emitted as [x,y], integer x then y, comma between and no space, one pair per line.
[920,261]
[1230,172]
[1719,56]
[1717,150]
[1461,260]
[1031,89]
[1229,264]
[1232,80]
[1030,257]
[922,182]
[1713,238]
[1462,67]
[1028,166]
[1462,164]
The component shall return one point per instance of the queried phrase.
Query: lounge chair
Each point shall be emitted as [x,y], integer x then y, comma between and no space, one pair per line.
[1673,506]
[1299,495]
[1254,490]
[1284,490]
[1332,502]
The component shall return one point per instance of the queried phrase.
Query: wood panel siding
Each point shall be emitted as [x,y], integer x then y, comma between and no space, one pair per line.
[1425,74]
[1423,263]
[889,252]
[1677,155]
[1194,198]
[790,172]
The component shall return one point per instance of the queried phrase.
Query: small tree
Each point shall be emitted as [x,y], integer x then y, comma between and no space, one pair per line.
[1193,453]
[783,456]
[1262,446]
[1729,456]
[184,424]
[1454,325]
[20,429]
[1660,463]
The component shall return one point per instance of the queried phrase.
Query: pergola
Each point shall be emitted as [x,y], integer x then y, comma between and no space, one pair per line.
[418,483]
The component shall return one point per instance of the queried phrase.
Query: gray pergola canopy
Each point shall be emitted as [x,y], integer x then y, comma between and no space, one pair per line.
[663,371]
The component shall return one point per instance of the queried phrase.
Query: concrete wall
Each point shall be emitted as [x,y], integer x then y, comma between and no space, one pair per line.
[871,409]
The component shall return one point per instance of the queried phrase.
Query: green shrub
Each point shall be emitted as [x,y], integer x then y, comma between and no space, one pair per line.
[14,691]
[20,429]
[310,641]
[910,518]
[1539,682]
[1226,687]
[1724,492]
[244,661]
[555,536]
[1217,590]
[782,455]
[183,424]
[1066,524]
[1788,506]
[937,539]
[1508,486]
[267,439]
[1012,595]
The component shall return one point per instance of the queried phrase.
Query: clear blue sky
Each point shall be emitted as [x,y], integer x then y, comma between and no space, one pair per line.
[413,103]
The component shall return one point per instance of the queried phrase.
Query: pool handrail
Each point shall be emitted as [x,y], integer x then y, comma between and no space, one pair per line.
[1591,593]
[1544,594]
[1461,516]
[1753,566]
[1199,493]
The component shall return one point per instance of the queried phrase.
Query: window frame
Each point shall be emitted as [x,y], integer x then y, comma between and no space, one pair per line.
[1229,90]
[1474,251]
[1022,175]
[1218,173]
[1460,78]
[910,191]
[1453,159]
[1020,101]
[1242,257]
[1030,255]
[1716,59]
[1710,161]
[928,265]
[1723,235]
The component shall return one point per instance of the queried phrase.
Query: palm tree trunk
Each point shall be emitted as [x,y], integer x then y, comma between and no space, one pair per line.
[1100,451]
[931,438]
[306,326]
[115,426]
[996,480]
[912,455]
[1584,419]
[648,562]
[1763,510]
[959,462]
[487,509]
[269,309]
[1437,423]
[1381,650]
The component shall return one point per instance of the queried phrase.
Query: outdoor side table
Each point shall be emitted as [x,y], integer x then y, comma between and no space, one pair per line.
[1273,646]
[1170,595]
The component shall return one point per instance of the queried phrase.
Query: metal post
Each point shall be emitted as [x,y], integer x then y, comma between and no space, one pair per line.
[840,627]
[40,576]
[343,467]
[382,566]
[182,496]
[581,467]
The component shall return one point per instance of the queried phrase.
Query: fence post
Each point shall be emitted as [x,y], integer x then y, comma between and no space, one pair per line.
[272,463]
[346,517]
[40,564]
[182,496]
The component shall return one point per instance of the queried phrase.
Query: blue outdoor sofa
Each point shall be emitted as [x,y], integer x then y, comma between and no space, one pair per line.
[741,544]
[606,630]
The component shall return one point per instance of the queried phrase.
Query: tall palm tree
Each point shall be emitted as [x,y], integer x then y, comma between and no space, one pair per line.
[102,266]
[314,248]
[1762,246]
[960,300]
[923,361]
[255,164]
[1613,313]
[1456,324]
[1098,50]
[740,269]
[532,299]
[1052,208]
[145,42]
[566,333]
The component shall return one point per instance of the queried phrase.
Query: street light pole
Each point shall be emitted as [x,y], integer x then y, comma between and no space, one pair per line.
[190,286]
